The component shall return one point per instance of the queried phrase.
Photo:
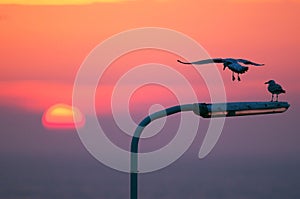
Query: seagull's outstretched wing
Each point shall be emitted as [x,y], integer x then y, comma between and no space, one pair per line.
[205,61]
[244,61]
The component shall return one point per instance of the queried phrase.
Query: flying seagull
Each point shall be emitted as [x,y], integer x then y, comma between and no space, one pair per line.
[232,64]
[274,89]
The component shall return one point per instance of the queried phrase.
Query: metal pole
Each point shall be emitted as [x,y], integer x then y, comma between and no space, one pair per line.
[136,138]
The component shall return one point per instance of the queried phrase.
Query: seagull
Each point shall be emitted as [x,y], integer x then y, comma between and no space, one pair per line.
[274,89]
[232,64]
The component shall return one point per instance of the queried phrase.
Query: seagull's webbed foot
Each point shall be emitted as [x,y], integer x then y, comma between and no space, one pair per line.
[239,79]
[233,78]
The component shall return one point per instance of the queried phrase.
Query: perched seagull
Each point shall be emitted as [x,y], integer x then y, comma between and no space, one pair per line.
[274,89]
[232,64]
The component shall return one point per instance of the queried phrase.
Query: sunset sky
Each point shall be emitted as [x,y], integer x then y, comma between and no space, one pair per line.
[44,43]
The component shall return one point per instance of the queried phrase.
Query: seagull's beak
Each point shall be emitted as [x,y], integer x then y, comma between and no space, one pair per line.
[266,82]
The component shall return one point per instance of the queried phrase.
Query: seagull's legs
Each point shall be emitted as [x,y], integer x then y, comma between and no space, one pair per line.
[239,79]
[272,98]
[233,78]
[276,97]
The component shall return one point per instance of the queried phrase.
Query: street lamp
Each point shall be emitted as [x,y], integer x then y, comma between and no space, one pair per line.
[239,108]
[204,110]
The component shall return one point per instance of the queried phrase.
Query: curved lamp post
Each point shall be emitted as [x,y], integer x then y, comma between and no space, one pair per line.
[204,110]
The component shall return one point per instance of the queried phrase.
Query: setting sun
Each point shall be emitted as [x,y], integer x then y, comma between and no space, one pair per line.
[62,116]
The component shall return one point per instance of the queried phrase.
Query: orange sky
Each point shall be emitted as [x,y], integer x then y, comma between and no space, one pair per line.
[43,46]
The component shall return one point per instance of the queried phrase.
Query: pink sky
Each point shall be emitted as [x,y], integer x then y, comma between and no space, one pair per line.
[42,47]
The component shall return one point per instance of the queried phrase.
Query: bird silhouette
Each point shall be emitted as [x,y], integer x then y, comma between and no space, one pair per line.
[233,65]
[274,88]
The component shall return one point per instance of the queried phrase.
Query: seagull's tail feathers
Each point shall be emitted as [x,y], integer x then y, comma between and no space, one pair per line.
[244,69]
[283,91]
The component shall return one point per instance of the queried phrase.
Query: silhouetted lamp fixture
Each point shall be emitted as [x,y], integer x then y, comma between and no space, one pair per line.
[204,110]
[239,109]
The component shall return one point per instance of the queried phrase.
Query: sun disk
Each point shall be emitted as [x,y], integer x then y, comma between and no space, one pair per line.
[62,116]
